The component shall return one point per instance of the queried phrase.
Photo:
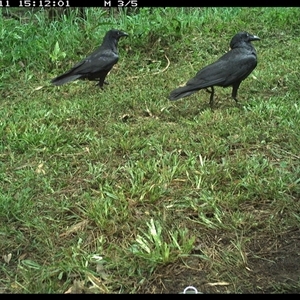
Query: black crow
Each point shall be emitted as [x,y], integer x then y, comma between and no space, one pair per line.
[97,65]
[229,70]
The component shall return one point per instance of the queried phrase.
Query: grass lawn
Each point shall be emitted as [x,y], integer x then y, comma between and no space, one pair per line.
[124,191]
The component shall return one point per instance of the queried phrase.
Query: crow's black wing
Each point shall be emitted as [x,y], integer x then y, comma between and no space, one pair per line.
[96,62]
[234,66]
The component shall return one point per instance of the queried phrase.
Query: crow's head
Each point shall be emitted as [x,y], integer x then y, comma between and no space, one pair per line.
[242,37]
[116,34]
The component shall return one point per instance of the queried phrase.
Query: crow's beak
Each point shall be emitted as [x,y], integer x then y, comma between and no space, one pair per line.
[255,38]
[122,33]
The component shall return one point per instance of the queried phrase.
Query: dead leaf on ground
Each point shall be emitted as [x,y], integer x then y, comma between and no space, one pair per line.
[75,228]
[76,288]
[97,284]
[38,88]
[40,170]
[221,283]
[7,257]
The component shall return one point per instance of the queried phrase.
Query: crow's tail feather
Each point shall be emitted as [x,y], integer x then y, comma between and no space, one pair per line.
[181,92]
[65,78]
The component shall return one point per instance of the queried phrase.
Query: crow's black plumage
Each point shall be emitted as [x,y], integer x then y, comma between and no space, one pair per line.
[229,70]
[97,65]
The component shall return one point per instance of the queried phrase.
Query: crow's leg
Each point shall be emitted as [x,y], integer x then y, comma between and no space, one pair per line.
[104,82]
[98,83]
[235,88]
[101,82]
[209,90]
[211,98]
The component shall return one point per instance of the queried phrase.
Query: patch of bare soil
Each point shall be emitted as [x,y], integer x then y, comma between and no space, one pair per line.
[273,266]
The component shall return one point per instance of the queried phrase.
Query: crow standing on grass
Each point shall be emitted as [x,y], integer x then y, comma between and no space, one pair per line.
[229,70]
[97,65]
